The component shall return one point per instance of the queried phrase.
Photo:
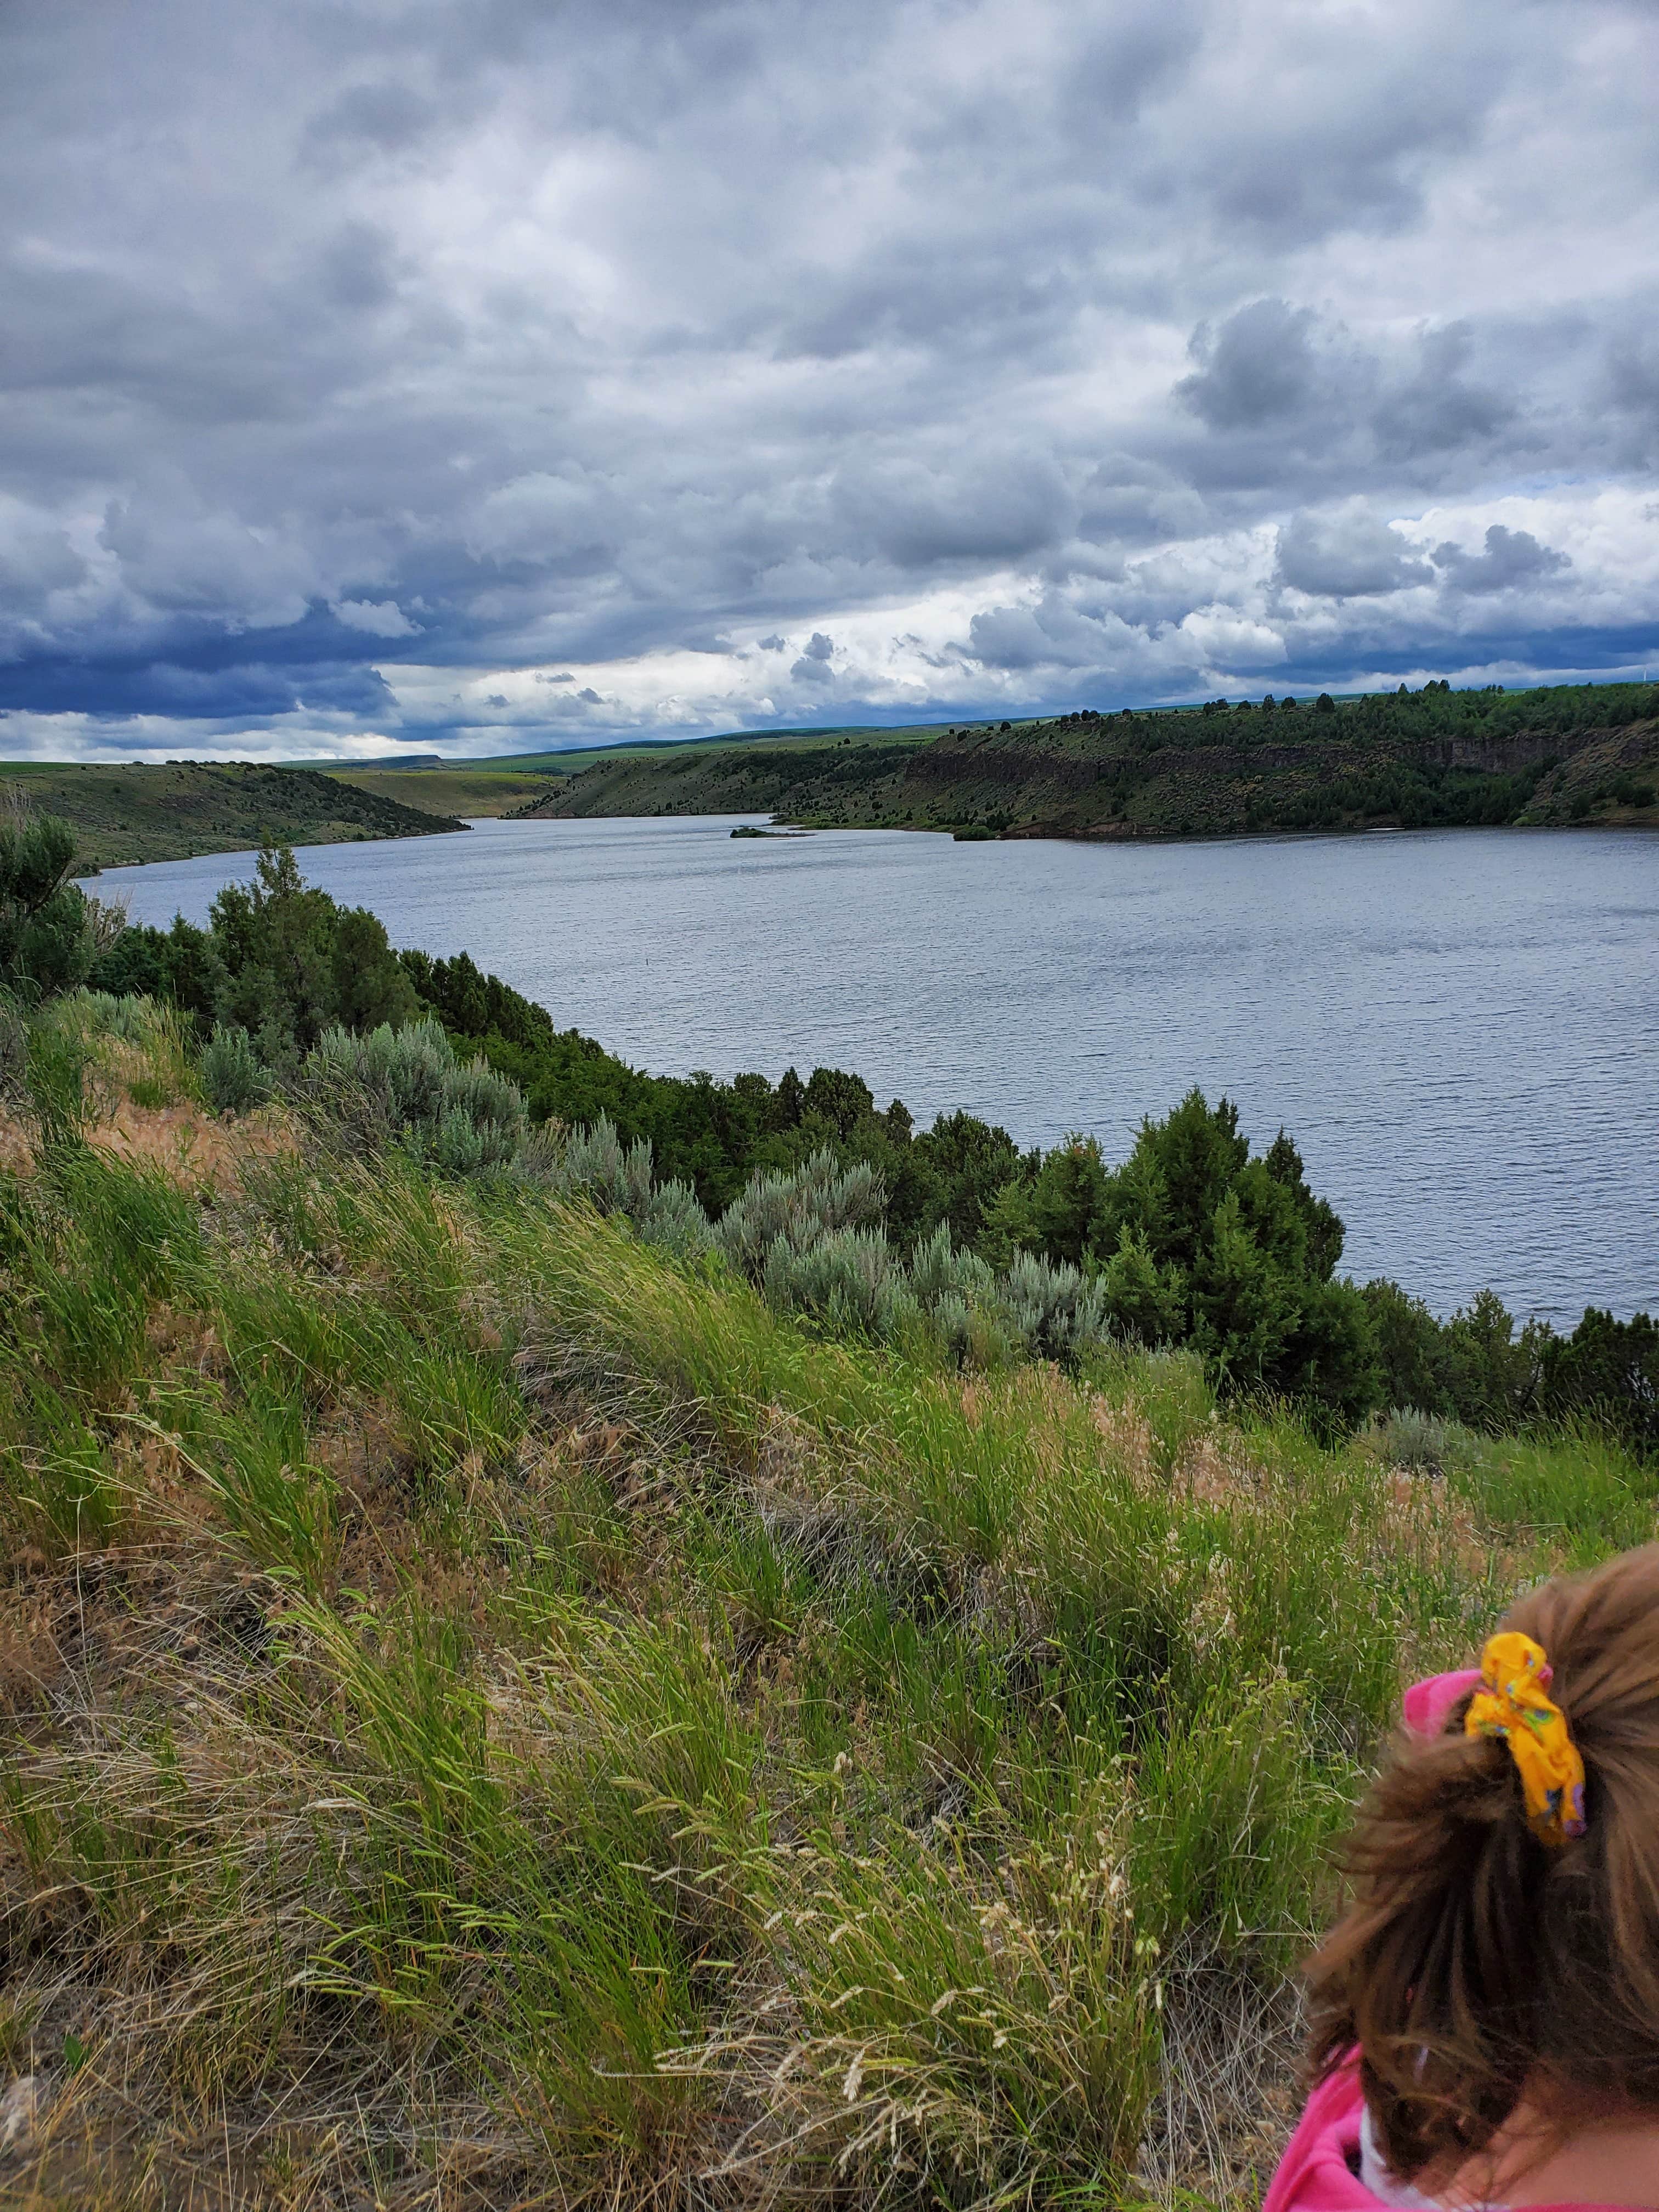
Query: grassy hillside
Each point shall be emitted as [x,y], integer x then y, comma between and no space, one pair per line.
[837,779]
[496,1716]
[516,783]
[127,813]
[461,790]
[1569,754]
[857,734]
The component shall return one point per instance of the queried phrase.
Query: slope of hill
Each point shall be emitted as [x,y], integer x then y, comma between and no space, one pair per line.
[128,813]
[515,783]
[839,780]
[494,1714]
[455,787]
[1570,754]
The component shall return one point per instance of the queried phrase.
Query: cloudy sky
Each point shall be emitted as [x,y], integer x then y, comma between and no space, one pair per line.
[379,375]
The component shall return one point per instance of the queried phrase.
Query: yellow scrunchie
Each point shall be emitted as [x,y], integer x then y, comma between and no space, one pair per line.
[1514,1702]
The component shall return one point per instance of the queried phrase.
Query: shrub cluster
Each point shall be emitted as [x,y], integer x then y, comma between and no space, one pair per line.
[812,1240]
[407,1085]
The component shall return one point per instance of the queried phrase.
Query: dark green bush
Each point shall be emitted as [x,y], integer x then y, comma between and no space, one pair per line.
[48,937]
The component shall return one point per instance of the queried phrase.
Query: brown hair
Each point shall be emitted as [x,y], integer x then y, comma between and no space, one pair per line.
[1475,1961]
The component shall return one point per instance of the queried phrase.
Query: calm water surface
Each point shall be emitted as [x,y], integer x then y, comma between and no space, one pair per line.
[1460,1029]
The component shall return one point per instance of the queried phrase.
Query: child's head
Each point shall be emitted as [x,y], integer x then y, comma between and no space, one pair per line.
[1476,1959]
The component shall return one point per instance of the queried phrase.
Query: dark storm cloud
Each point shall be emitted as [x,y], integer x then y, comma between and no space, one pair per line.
[362,363]
[814,664]
[220,692]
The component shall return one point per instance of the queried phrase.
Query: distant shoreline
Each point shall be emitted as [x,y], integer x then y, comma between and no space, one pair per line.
[1581,756]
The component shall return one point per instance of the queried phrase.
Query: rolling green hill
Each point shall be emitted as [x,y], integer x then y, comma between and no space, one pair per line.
[126,813]
[460,788]
[516,783]
[1567,755]
[836,780]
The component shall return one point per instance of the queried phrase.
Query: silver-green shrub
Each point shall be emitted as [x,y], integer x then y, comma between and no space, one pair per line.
[674,1220]
[811,1240]
[799,1208]
[407,1085]
[1407,1437]
[493,1103]
[614,1178]
[617,1178]
[413,1065]
[939,1272]
[233,1078]
[1052,1309]
[455,1142]
[129,1020]
[851,1279]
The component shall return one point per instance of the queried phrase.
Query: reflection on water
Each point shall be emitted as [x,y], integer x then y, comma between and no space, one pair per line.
[1460,1029]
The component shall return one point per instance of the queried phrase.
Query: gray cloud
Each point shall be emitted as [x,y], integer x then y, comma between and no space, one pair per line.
[1293,396]
[1511,557]
[1345,556]
[1260,369]
[357,358]
[383,118]
[814,664]
[376,617]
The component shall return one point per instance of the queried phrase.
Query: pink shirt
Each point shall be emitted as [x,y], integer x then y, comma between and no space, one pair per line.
[1320,2170]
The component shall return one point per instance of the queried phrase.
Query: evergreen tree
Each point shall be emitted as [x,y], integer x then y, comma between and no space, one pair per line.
[48,935]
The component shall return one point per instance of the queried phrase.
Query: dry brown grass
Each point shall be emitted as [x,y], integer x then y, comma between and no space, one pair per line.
[194,1148]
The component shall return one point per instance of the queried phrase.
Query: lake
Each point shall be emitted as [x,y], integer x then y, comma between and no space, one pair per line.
[1460,1029]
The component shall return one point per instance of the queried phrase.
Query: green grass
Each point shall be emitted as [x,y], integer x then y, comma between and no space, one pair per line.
[514,782]
[464,790]
[488,1704]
